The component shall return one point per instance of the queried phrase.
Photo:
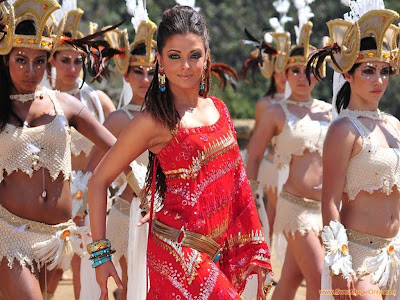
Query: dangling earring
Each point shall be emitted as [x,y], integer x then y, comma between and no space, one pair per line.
[161,79]
[203,79]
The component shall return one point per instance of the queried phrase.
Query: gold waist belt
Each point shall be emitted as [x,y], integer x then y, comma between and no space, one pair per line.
[368,240]
[310,203]
[189,239]
[30,225]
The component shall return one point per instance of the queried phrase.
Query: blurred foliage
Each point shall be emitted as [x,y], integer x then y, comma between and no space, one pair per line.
[226,23]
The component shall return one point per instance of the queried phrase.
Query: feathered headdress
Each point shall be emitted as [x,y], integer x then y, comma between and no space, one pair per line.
[367,19]
[98,52]
[303,32]
[144,29]
[67,19]
[119,39]
[267,57]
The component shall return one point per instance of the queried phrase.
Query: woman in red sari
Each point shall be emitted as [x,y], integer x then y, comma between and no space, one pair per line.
[205,237]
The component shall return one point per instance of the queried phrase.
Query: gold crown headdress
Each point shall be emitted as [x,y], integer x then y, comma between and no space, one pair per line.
[302,43]
[72,20]
[303,32]
[266,60]
[274,63]
[68,17]
[348,35]
[144,29]
[280,38]
[40,13]
[367,19]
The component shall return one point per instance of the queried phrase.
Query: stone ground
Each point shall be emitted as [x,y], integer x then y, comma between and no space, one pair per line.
[65,292]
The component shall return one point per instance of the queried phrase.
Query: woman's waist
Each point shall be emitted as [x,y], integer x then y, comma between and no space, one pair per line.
[24,223]
[35,199]
[309,188]
[371,216]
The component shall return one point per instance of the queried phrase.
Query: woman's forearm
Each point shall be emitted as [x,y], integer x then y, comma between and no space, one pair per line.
[97,200]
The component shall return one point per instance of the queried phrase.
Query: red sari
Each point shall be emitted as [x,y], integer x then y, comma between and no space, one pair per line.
[209,193]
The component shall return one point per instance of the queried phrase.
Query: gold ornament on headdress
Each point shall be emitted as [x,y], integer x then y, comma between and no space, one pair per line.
[269,62]
[348,35]
[93,27]
[277,63]
[119,39]
[39,11]
[304,43]
[144,34]
[72,20]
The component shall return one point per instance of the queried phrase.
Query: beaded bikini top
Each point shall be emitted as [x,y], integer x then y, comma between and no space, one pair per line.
[28,149]
[299,134]
[375,167]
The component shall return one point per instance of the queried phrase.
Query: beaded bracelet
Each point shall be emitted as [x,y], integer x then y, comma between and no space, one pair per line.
[101,253]
[98,262]
[98,245]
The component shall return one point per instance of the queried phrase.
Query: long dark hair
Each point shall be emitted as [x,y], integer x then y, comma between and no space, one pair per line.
[177,20]
[26,27]
[343,96]
[271,88]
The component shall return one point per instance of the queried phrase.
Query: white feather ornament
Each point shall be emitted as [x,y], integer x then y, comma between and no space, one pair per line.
[67,6]
[59,249]
[336,243]
[358,8]
[137,9]
[190,3]
[385,265]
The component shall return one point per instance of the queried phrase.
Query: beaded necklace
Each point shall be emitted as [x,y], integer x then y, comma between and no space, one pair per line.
[306,104]
[27,97]
[371,114]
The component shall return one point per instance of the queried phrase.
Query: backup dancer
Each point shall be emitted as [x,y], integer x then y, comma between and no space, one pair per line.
[360,197]
[298,124]
[37,233]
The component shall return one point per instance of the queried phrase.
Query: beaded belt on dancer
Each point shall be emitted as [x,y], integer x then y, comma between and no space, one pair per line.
[188,239]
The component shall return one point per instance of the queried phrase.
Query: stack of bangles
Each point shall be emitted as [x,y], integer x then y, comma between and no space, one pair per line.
[100,252]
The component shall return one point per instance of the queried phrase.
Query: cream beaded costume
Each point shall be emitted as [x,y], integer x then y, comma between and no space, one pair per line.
[348,252]
[31,149]
[375,167]
[298,135]
[90,98]
[69,16]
